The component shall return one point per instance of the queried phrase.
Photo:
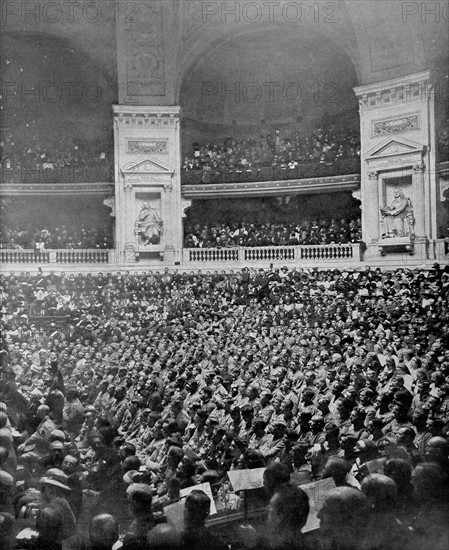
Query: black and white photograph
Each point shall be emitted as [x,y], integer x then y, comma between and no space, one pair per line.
[224,275]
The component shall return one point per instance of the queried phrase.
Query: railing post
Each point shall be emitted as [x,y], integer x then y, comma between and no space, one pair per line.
[52,256]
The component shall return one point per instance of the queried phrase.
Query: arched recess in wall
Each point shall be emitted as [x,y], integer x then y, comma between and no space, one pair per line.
[265,79]
[57,109]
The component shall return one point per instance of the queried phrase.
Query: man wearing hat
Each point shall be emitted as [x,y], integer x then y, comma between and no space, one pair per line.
[54,492]
[140,501]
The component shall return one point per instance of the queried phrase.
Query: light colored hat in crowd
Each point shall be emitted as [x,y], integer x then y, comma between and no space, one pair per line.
[6,480]
[56,478]
[57,435]
[133,476]
[141,489]
[57,445]
[36,393]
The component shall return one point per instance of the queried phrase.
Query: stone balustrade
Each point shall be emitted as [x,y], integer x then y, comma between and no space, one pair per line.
[307,256]
[272,254]
[62,256]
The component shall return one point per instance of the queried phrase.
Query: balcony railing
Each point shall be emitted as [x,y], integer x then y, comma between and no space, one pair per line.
[236,257]
[63,256]
[261,254]
[271,173]
[24,256]
[211,254]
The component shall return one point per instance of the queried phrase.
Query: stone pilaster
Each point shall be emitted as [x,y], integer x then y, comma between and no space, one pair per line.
[398,152]
[147,154]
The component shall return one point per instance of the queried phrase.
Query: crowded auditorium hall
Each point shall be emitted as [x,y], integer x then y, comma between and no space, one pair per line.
[224,278]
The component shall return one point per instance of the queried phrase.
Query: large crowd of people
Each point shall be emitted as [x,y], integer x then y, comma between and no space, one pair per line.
[305,232]
[25,236]
[62,161]
[119,391]
[265,155]
[324,151]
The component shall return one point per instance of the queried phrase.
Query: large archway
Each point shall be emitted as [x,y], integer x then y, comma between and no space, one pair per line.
[57,116]
[275,80]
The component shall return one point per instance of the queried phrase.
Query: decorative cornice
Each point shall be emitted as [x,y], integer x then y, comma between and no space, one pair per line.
[156,110]
[17,189]
[146,121]
[273,188]
[146,117]
[402,90]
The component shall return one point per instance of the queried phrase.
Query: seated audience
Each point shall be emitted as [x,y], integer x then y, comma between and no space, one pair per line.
[272,234]
[183,377]
[261,158]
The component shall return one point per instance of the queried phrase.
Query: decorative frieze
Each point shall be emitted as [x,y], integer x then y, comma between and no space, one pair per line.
[144,146]
[395,125]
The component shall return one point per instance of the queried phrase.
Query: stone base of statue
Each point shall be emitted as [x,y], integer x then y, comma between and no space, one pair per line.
[397,244]
[158,252]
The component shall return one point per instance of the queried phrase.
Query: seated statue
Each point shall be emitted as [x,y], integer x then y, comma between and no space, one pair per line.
[398,219]
[148,225]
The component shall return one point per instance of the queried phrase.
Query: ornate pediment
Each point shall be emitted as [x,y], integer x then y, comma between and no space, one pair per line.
[392,147]
[147,172]
[146,167]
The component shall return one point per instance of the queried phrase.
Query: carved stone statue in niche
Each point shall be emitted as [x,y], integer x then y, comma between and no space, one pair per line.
[397,218]
[149,225]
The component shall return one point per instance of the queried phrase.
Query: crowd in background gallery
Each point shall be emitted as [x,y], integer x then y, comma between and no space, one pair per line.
[304,232]
[323,145]
[39,159]
[71,235]
[22,235]
[157,382]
